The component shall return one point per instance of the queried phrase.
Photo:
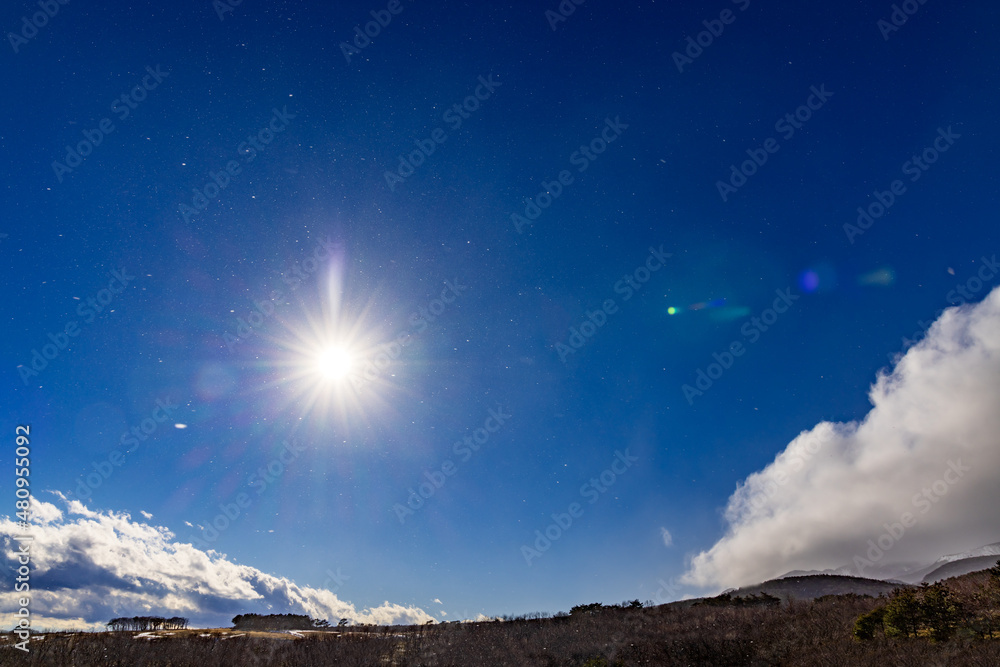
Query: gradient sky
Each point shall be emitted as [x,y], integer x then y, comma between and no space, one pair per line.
[309,229]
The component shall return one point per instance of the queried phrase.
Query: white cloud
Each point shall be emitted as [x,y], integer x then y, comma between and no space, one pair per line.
[146,515]
[43,512]
[838,486]
[438,601]
[92,566]
[76,507]
[668,539]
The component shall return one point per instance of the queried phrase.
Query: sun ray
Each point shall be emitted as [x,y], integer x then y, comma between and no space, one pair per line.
[331,364]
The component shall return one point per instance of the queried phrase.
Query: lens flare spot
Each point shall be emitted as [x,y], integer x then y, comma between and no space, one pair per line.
[820,277]
[729,313]
[883,277]
[809,281]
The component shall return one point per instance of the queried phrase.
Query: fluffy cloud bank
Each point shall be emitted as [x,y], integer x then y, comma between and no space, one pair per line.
[93,566]
[917,478]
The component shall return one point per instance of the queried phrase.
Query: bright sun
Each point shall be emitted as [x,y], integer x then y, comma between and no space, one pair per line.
[325,361]
[334,363]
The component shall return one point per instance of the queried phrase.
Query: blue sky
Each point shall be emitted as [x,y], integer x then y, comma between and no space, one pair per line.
[254,193]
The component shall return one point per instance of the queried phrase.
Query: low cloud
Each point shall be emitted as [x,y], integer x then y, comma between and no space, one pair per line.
[926,455]
[91,566]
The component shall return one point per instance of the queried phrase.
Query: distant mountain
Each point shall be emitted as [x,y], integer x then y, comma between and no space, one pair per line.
[915,573]
[812,586]
[893,572]
[960,567]
[808,587]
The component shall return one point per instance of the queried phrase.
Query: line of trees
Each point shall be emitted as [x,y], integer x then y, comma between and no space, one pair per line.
[597,607]
[147,623]
[727,600]
[278,622]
